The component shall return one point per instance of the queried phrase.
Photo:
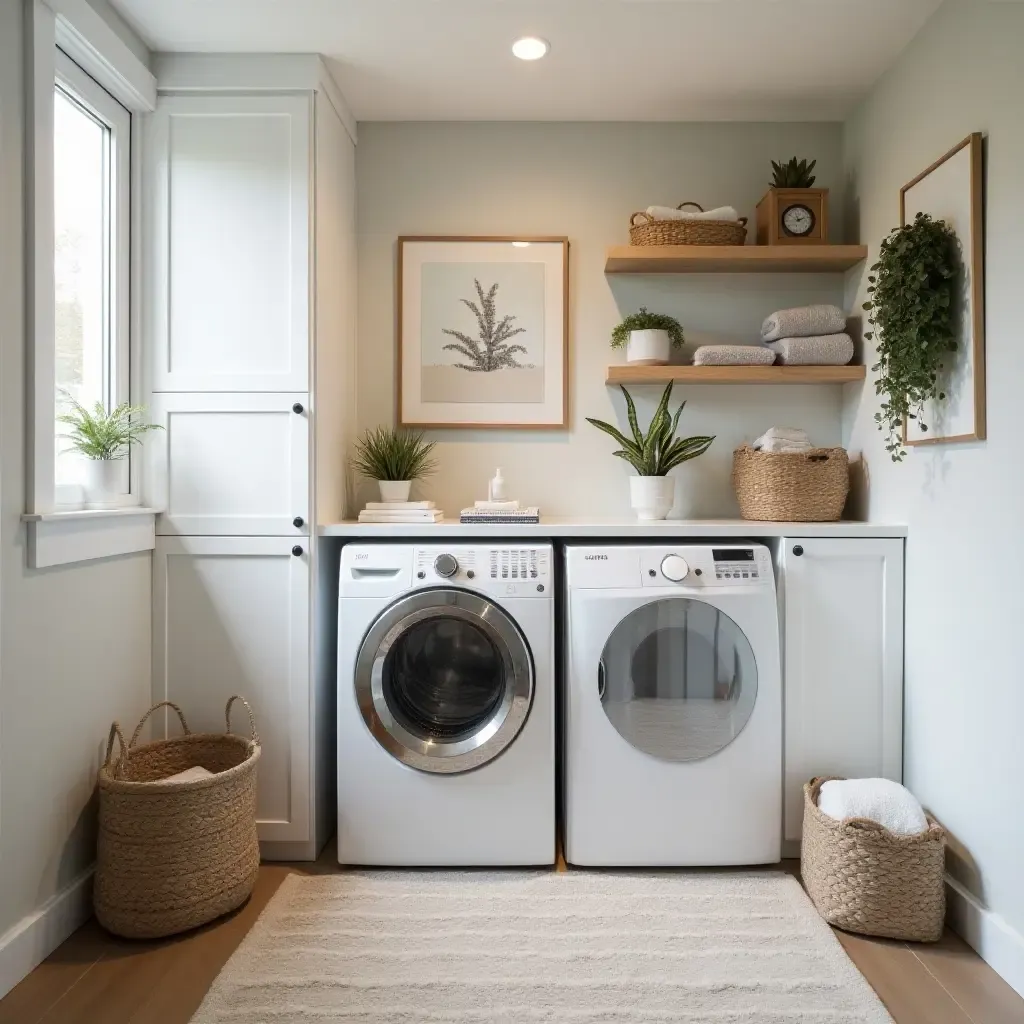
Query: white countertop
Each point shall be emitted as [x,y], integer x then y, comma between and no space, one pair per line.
[566,526]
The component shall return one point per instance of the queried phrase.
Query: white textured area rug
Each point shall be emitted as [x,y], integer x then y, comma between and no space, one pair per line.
[524,947]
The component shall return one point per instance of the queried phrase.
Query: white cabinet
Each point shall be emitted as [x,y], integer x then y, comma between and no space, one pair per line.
[228,215]
[842,619]
[231,464]
[231,615]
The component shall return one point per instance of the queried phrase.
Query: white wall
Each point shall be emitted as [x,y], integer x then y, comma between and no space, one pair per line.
[583,181]
[74,641]
[964,503]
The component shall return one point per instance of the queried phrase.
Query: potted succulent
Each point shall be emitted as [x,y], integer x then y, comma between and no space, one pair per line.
[648,337]
[104,439]
[653,455]
[394,458]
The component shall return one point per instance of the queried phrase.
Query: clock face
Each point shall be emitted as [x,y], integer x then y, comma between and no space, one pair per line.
[798,220]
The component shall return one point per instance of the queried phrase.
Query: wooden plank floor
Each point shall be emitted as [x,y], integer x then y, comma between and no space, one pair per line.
[94,978]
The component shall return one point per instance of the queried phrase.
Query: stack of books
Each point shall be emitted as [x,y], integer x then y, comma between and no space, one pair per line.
[502,512]
[400,512]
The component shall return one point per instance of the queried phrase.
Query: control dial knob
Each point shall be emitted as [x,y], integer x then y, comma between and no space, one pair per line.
[446,566]
[674,568]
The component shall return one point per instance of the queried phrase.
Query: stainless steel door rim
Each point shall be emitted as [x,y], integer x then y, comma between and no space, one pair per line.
[487,739]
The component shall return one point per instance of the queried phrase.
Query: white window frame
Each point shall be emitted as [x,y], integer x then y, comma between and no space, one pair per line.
[58,534]
[88,93]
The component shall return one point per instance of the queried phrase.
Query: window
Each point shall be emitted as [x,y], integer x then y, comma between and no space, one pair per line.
[91,203]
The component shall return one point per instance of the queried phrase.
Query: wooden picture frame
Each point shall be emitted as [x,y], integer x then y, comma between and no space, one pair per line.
[441,291]
[952,189]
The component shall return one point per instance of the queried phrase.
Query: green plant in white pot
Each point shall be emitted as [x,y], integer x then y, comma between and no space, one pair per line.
[653,455]
[648,338]
[104,439]
[394,458]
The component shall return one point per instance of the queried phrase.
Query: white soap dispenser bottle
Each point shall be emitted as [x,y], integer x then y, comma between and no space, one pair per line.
[496,488]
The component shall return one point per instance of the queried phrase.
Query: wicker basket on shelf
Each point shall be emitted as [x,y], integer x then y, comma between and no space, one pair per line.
[797,487]
[645,230]
[863,878]
[173,855]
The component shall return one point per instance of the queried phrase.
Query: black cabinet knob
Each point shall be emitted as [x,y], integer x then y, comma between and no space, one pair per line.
[298,521]
[798,549]
[297,408]
[297,550]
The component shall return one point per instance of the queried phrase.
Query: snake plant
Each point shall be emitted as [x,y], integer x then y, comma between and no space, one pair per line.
[793,174]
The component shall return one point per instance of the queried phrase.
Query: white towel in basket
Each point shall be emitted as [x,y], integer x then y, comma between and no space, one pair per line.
[881,800]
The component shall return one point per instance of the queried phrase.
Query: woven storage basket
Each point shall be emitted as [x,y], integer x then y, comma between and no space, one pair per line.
[800,487]
[648,231]
[174,855]
[866,879]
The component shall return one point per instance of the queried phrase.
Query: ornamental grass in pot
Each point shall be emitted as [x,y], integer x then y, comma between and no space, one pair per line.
[653,455]
[394,458]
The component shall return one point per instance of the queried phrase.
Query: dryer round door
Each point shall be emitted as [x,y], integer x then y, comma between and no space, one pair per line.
[444,680]
[678,679]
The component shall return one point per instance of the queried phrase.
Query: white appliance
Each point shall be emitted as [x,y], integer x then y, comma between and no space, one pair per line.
[673,707]
[446,705]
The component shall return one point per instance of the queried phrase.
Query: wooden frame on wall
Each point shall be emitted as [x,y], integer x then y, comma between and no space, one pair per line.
[956,195]
[440,395]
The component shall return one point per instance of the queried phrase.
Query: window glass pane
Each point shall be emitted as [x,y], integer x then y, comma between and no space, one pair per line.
[82,230]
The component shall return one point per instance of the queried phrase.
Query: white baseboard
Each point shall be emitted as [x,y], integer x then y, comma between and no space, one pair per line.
[992,938]
[36,936]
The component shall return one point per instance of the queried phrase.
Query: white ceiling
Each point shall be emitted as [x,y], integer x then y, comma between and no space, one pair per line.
[610,60]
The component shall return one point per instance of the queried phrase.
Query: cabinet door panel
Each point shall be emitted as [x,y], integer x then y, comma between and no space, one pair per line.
[843,652]
[232,616]
[230,464]
[229,243]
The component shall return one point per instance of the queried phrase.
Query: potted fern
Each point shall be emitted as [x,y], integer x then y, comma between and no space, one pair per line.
[648,337]
[653,455]
[104,439]
[394,458]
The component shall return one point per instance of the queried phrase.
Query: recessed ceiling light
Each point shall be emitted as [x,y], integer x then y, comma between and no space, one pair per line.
[530,48]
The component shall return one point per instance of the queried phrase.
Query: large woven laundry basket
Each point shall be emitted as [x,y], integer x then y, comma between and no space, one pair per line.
[791,487]
[175,855]
[864,878]
[645,230]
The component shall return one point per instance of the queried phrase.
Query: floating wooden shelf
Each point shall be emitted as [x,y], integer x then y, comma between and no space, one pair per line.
[732,259]
[734,374]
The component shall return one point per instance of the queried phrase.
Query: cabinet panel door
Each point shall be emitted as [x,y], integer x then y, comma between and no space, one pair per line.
[230,464]
[231,615]
[228,253]
[843,663]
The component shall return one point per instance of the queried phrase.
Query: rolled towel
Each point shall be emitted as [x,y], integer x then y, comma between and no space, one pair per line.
[733,355]
[671,213]
[803,322]
[881,800]
[823,350]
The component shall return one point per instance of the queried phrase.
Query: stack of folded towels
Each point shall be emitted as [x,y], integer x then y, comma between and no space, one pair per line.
[785,440]
[880,800]
[809,335]
[671,213]
[400,512]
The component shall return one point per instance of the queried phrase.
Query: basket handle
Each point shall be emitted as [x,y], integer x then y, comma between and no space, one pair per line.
[255,740]
[699,207]
[640,213]
[115,733]
[742,222]
[865,824]
[156,707]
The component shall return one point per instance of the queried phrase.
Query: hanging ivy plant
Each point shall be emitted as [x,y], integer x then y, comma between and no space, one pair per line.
[911,311]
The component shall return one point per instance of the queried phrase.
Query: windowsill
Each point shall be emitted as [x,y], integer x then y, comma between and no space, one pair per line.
[80,535]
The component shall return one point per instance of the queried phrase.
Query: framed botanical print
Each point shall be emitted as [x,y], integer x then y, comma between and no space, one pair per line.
[483,332]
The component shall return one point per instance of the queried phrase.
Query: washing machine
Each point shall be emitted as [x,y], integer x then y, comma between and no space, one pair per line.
[446,705]
[673,706]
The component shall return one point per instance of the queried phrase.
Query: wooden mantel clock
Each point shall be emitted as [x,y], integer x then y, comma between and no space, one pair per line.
[793,216]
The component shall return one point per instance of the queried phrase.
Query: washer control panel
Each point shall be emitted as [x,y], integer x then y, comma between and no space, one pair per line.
[510,571]
[689,567]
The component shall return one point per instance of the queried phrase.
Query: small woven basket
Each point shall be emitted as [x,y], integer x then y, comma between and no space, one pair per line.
[864,878]
[648,231]
[175,855]
[797,487]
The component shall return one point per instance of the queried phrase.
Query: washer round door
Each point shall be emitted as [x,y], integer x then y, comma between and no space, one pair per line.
[444,680]
[677,679]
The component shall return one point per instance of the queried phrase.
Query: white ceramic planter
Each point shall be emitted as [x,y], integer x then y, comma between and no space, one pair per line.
[648,348]
[652,497]
[394,490]
[102,481]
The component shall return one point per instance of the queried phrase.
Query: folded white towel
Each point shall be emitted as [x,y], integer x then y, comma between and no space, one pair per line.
[777,445]
[733,355]
[189,775]
[881,800]
[671,213]
[783,439]
[822,350]
[803,322]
